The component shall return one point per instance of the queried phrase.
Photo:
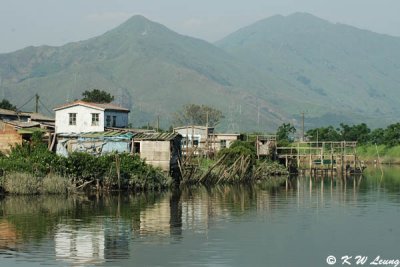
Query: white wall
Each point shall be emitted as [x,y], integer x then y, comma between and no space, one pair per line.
[83,120]
[122,118]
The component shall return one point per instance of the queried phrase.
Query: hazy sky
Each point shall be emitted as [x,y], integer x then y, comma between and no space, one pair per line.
[56,22]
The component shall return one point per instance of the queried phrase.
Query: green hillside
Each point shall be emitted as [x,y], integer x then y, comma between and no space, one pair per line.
[259,76]
[354,73]
[149,68]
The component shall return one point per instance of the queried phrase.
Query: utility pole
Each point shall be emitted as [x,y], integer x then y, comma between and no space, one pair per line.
[158,123]
[302,124]
[37,103]
[207,137]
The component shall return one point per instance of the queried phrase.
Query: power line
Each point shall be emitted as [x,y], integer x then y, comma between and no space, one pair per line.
[40,101]
[19,108]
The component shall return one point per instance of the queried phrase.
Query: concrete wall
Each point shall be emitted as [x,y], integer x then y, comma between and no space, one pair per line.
[156,153]
[83,120]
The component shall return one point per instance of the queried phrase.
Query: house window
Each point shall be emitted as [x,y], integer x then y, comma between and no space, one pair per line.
[95,119]
[223,143]
[108,121]
[72,118]
[114,121]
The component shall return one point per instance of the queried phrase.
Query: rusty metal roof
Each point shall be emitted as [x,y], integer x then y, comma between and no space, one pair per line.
[22,124]
[156,136]
[38,116]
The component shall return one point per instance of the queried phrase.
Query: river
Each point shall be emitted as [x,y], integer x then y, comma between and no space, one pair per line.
[299,222]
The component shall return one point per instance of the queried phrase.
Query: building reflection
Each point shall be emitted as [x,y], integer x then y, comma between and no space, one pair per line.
[8,236]
[82,245]
[95,230]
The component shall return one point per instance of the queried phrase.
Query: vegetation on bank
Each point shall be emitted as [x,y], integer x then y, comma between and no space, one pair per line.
[237,164]
[31,168]
[373,145]
[379,153]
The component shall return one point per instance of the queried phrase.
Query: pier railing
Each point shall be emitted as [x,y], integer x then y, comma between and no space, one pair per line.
[320,155]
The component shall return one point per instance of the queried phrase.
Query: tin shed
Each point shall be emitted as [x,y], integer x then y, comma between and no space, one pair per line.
[161,150]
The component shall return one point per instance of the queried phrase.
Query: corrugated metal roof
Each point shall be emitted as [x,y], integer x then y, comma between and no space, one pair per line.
[12,113]
[107,134]
[31,130]
[156,136]
[22,124]
[38,116]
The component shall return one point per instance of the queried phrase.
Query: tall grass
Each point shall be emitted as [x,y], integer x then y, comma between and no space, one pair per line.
[387,155]
[21,183]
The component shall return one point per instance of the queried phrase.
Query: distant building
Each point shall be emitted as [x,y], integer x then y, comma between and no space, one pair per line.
[194,135]
[204,139]
[83,117]
[223,140]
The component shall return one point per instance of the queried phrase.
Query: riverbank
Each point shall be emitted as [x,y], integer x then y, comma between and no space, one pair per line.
[381,153]
[32,169]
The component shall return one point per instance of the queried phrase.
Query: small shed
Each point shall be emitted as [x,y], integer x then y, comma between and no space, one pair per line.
[265,145]
[161,150]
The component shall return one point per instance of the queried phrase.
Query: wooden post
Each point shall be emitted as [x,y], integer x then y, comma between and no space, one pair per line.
[298,156]
[257,147]
[118,169]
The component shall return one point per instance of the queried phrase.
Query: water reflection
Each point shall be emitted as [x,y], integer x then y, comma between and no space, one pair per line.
[97,229]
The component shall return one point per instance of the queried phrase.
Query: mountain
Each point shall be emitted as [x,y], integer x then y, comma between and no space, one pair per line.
[334,71]
[260,76]
[148,68]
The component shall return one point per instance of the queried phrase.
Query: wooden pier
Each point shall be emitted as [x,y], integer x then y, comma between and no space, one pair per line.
[321,158]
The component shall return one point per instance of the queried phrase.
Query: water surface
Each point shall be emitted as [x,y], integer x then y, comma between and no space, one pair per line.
[297,223]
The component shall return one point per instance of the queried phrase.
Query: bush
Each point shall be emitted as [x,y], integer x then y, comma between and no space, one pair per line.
[31,161]
[236,150]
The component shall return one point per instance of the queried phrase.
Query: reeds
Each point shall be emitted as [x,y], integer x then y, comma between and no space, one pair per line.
[21,183]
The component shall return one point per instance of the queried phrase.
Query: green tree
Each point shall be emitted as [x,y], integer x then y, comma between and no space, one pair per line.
[285,133]
[377,136]
[197,114]
[358,132]
[392,135]
[97,96]
[323,134]
[5,104]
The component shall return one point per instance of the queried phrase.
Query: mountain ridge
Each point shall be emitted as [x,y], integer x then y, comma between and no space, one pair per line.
[265,79]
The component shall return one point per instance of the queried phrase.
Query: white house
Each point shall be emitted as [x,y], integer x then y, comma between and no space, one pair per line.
[82,117]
